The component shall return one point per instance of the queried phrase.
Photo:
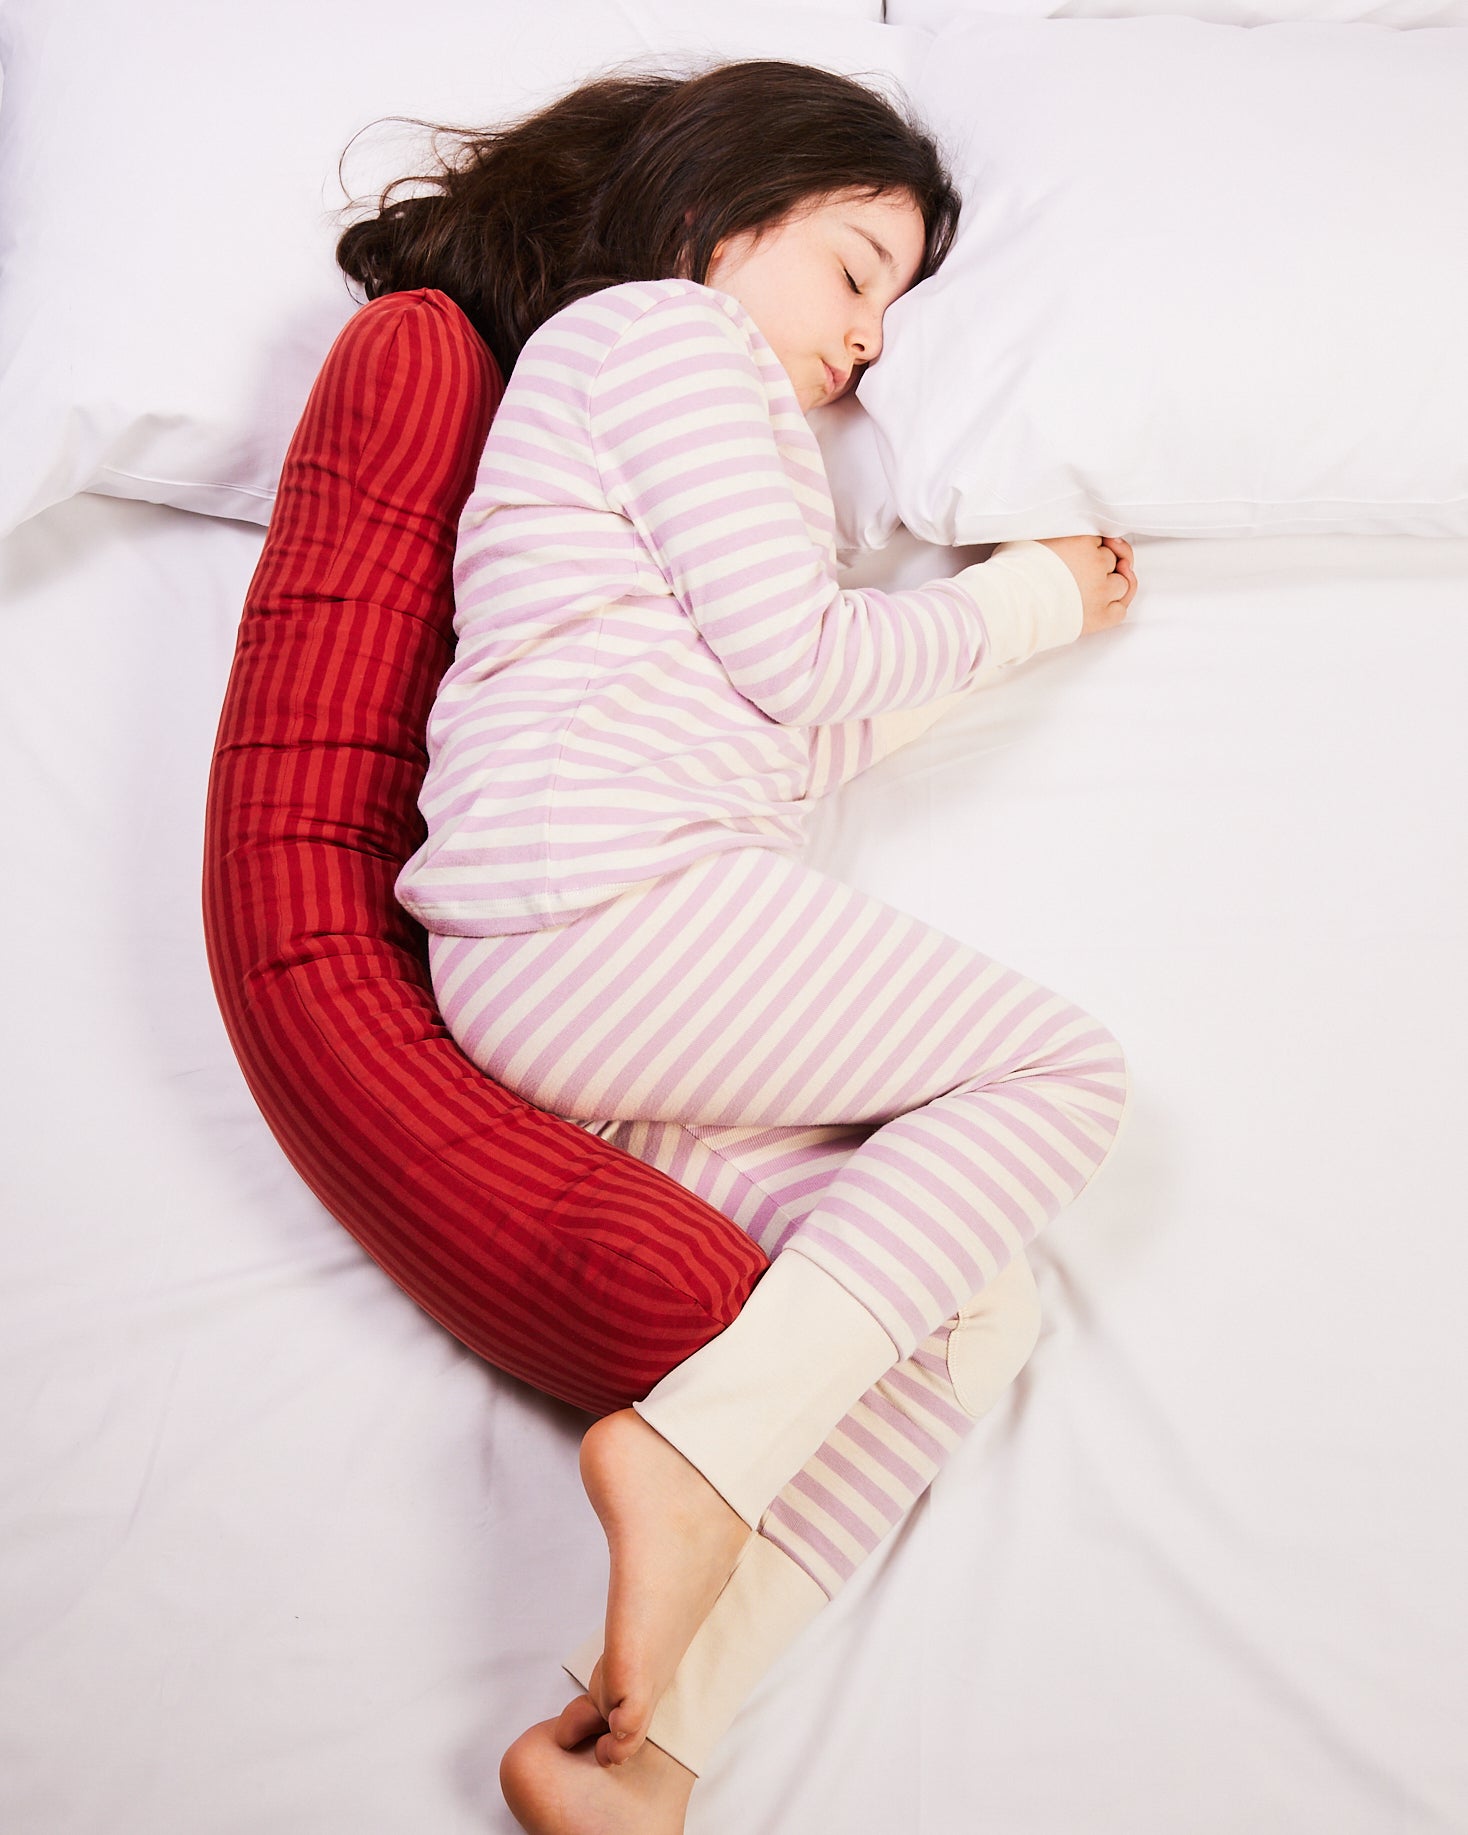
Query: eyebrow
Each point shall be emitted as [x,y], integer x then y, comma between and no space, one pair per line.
[869,237]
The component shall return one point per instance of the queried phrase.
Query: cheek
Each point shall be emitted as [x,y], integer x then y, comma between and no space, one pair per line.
[817,310]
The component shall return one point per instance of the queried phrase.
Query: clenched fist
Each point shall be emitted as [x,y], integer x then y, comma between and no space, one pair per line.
[1102,565]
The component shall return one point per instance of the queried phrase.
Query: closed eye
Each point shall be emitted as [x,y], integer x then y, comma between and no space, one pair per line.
[850,282]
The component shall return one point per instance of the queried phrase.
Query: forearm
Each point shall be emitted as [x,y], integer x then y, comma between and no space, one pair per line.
[1030,602]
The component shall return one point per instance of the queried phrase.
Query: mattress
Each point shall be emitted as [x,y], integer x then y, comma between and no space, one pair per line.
[279,1554]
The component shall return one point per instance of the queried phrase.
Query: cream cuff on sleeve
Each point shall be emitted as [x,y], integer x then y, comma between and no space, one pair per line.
[1028,598]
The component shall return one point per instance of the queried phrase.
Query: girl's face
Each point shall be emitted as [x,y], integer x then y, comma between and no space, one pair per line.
[818,282]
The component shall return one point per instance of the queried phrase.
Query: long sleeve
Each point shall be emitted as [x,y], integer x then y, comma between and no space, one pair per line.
[688,450]
[1029,602]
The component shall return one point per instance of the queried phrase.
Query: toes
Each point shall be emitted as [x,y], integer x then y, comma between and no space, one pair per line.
[626,1730]
[612,1751]
[579,1720]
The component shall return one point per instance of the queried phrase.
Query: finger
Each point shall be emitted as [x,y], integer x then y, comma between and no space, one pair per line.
[1124,563]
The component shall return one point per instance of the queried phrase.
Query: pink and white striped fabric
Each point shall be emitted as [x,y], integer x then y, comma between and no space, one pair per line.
[752,993]
[656,676]
[840,1079]
[654,661]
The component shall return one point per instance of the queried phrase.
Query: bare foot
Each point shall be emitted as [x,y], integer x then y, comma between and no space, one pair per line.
[673,1543]
[554,1788]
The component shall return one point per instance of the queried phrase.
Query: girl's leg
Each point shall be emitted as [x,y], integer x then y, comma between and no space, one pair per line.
[873,1468]
[855,1491]
[771,1594]
[883,1455]
[752,992]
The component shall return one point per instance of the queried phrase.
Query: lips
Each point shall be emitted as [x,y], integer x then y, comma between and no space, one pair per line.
[835,381]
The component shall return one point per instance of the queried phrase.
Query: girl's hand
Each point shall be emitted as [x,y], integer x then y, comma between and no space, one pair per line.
[1102,565]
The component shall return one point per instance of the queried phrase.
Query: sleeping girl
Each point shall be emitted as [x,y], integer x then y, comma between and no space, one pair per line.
[657,677]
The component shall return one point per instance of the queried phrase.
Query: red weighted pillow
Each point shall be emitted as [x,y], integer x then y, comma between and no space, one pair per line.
[550,1254]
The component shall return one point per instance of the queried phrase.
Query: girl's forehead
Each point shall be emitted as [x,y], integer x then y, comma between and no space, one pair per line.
[891,222]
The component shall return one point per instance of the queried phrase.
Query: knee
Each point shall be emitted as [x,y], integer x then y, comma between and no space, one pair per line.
[1119,1080]
[992,1338]
[1096,1049]
[1073,1044]
[1098,1068]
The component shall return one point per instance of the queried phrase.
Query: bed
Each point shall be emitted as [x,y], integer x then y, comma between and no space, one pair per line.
[281,1554]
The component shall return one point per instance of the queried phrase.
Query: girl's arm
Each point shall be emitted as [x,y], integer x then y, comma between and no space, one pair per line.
[844,751]
[682,430]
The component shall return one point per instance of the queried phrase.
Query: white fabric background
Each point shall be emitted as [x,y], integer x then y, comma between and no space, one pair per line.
[278,1554]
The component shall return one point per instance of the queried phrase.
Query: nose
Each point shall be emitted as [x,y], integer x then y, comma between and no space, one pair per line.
[864,339]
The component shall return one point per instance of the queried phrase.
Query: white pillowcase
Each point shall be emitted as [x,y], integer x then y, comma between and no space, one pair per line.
[933,15]
[866,511]
[168,200]
[1207,281]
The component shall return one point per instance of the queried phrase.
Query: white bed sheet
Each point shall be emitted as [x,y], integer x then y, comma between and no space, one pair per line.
[279,1555]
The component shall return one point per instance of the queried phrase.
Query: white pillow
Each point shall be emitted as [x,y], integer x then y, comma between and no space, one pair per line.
[933,15]
[168,199]
[866,511]
[1207,280]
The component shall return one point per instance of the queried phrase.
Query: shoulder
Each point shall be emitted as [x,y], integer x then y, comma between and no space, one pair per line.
[638,319]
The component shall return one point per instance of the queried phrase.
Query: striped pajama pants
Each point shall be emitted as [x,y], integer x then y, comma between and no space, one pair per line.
[838,1078]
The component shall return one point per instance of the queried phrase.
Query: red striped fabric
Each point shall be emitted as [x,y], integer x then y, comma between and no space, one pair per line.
[553,1256]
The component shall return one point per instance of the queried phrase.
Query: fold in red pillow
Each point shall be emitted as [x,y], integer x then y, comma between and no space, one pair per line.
[550,1254]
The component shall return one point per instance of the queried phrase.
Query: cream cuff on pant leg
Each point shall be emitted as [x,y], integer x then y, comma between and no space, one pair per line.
[766,1601]
[751,1406]
[992,1338]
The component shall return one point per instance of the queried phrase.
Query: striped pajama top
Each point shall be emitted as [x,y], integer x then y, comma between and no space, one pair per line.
[655,661]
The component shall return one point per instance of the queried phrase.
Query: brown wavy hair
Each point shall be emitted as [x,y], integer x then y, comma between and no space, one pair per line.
[636,177]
